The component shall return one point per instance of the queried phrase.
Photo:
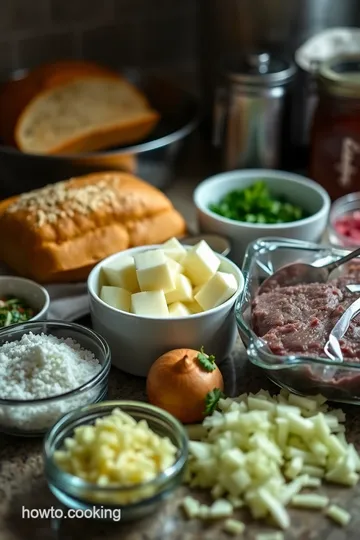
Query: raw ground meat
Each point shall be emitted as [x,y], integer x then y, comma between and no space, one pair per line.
[298,319]
[292,305]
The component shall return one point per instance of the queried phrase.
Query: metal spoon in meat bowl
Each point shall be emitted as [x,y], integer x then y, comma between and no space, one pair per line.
[295,273]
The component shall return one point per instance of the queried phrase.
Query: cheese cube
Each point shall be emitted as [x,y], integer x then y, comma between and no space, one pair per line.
[149,304]
[153,271]
[174,266]
[200,263]
[194,307]
[116,297]
[182,292]
[122,273]
[196,289]
[178,309]
[174,249]
[217,290]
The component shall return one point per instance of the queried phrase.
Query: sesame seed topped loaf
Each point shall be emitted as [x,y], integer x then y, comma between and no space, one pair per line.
[59,232]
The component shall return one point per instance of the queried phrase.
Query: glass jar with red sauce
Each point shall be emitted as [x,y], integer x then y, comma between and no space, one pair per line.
[335,144]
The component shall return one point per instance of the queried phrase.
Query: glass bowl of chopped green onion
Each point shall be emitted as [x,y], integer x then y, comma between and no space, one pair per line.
[245,205]
[22,300]
[122,458]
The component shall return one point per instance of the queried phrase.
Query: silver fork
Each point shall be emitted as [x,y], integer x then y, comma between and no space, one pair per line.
[332,347]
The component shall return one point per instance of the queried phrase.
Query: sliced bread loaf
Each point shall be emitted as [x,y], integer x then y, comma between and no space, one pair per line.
[86,114]
[16,94]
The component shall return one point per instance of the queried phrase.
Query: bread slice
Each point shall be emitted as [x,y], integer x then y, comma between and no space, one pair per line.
[90,113]
[16,94]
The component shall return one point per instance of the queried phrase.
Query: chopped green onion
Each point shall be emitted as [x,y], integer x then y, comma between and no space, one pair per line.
[255,204]
[14,310]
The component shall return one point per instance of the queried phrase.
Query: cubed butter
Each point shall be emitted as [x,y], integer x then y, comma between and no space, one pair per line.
[174,249]
[217,290]
[182,292]
[149,304]
[122,273]
[200,263]
[153,271]
[178,309]
[116,297]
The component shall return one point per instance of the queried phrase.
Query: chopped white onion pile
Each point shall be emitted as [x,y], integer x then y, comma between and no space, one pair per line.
[260,452]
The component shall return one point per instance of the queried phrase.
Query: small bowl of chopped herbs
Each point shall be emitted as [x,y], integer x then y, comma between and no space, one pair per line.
[248,204]
[21,300]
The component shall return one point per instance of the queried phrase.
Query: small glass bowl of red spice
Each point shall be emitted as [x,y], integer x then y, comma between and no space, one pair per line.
[344,222]
[22,300]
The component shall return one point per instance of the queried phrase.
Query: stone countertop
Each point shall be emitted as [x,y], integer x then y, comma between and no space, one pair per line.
[22,483]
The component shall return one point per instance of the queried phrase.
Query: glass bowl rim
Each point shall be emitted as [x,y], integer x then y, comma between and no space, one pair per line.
[337,205]
[108,406]
[94,336]
[273,361]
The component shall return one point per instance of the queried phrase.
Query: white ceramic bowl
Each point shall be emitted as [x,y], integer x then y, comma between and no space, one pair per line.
[297,189]
[34,294]
[136,342]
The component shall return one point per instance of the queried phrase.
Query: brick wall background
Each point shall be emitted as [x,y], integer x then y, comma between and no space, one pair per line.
[144,33]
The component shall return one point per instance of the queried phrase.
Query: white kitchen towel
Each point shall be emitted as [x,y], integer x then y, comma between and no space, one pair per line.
[68,301]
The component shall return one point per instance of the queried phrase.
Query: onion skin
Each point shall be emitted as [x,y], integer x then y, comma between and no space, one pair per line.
[178,383]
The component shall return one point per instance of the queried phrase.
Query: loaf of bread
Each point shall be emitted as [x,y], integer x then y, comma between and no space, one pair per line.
[88,113]
[58,233]
[16,94]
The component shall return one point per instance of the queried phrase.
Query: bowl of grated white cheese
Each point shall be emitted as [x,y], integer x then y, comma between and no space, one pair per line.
[48,368]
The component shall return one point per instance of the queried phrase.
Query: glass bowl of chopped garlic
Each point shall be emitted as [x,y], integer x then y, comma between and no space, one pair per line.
[48,368]
[122,458]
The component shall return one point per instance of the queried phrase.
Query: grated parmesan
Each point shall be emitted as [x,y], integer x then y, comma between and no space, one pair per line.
[40,366]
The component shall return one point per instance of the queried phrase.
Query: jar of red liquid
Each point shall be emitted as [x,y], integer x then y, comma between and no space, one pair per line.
[344,222]
[335,142]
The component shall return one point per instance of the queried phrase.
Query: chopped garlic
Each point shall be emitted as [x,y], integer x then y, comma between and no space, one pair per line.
[270,536]
[191,507]
[275,508]
[117,451]
[234,527]
[312,482]
[310,500]
[260,452]
[339,515]
[221,509]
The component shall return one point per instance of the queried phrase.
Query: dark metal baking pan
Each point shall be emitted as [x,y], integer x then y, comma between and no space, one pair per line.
[153,158]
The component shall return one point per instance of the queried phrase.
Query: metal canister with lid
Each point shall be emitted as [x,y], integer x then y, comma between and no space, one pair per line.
[249,112]
[335,141]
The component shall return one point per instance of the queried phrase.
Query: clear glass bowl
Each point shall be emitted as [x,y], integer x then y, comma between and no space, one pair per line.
[76,493]
[300,374]
[34,417]
[340,208]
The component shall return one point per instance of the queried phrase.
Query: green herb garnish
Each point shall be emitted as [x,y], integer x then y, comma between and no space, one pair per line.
[207,362]
[212,399]
[14,310]
[255,204]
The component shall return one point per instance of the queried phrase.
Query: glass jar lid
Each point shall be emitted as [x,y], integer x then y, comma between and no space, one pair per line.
[262,69]
[341,76]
